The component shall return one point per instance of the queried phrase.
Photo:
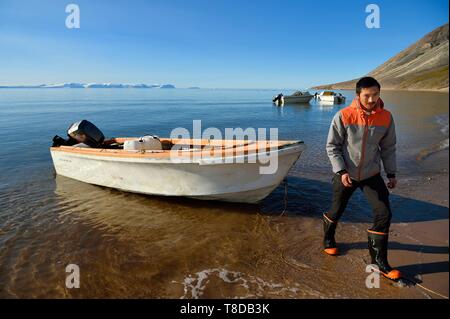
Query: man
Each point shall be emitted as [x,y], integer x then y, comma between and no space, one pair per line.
[362,136]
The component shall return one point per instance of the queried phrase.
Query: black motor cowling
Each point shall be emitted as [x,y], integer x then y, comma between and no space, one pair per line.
[87,133]
[59,141]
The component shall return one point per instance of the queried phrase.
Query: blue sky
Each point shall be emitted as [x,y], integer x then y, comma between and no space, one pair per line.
[207,43]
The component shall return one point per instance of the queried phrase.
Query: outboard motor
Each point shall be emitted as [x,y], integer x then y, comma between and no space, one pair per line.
[87,133]
[279,99]
[82,133]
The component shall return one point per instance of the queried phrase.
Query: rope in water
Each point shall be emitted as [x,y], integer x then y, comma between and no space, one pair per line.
[415,283]
[418,285]
[285,196]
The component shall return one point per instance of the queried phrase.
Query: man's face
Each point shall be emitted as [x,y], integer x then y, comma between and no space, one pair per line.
[369,97]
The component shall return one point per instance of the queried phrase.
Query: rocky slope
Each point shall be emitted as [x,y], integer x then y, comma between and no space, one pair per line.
[422,66]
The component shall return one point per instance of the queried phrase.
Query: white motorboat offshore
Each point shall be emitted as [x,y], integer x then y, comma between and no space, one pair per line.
[331,97]
[227,170]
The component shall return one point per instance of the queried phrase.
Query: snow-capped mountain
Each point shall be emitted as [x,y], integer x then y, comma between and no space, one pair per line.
[94,86]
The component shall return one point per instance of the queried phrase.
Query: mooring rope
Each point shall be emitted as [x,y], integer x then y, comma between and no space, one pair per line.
[285,199]
[415,283]
[429,290]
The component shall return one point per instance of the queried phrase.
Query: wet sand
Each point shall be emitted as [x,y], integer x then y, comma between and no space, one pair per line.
[418,248]
[431,259]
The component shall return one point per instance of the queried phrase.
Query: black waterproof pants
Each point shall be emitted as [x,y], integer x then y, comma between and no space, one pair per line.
[376,192]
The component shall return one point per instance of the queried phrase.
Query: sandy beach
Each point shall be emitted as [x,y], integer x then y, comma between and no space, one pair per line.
[420,249]
[428,255]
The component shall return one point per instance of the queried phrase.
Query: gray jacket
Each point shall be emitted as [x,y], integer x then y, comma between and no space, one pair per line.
[358,142]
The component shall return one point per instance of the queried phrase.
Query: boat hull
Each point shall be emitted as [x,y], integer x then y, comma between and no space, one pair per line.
[297,99]
[234,182]
[331,99]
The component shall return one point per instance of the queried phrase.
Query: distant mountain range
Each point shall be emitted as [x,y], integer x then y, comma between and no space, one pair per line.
[92,86]
[422,66]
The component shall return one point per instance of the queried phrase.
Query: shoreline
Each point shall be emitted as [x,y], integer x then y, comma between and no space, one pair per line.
[445,90]
[430,238]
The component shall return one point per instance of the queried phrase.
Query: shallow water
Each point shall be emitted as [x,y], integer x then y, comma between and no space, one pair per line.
[130,245]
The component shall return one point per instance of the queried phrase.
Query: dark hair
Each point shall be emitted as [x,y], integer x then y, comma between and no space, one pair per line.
[366,82]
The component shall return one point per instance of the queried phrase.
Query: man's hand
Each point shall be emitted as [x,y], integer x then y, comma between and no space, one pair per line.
[346,180]
[392,183]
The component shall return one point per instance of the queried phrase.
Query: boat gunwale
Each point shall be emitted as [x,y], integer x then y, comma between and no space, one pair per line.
[188,156]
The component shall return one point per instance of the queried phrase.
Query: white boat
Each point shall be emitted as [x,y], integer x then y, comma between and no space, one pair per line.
[298,97]
[203,169]
[331,97]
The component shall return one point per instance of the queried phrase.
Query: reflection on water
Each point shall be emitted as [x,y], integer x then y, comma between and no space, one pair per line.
[130,245]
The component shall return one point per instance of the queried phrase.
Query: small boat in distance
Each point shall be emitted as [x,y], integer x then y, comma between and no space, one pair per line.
[226,170]
[331,97]
[298,97]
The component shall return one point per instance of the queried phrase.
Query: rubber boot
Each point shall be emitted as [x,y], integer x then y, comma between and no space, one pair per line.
[378,244]
[329,229]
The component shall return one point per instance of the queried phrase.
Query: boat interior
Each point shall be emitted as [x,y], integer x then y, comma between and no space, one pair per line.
[212,147]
